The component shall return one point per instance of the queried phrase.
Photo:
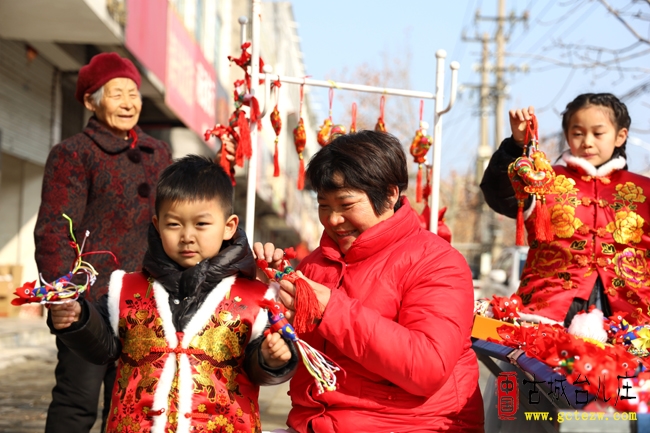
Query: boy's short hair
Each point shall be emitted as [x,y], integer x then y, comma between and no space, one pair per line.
[195,177]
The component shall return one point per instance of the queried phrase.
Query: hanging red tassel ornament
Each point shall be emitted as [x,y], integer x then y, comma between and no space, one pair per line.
[353,124]
[244,146]
[276,123]
[381,126]
[219,131]
[325,131]
[419,148]
[533,174]
[300,140]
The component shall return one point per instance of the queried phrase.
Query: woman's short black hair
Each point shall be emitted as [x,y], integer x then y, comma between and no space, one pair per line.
[195,177]
[369,161]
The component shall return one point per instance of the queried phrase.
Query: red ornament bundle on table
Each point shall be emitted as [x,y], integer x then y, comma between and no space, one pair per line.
[607,367]
[532,174]
[419,149]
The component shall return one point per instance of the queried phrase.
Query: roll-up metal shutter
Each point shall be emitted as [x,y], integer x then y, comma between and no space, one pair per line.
[25,103]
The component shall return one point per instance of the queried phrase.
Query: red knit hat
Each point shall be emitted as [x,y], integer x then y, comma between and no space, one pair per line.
[102,69]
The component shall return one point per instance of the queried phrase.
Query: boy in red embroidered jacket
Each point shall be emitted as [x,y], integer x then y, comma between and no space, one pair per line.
[187,331]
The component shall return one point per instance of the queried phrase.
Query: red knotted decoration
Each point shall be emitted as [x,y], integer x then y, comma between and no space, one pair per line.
[300,140]
[324,131]
[419,148]
[381,126]
[307,308]
[353,125]
[219,131]
[532,175]
[276,122]
[244,146]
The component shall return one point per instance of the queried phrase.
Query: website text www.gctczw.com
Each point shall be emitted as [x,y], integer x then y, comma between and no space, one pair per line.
[581,416]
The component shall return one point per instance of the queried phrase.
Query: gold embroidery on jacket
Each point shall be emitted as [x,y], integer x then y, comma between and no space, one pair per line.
[627,226]
[563,213]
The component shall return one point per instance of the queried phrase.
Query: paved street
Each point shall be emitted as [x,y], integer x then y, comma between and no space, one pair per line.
[27,361]
[27,379]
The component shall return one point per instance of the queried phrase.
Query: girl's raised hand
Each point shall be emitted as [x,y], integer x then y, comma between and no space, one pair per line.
[518,123]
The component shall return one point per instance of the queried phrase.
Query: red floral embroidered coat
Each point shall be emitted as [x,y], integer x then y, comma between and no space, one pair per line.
[601,225]
[187,381]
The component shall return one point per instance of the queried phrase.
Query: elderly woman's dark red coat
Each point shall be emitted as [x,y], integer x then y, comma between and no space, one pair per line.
[107,188]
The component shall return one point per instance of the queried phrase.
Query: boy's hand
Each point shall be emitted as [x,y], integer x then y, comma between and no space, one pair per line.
[228,143]
[64,315]
[272,255]
[519,122]
[275,350]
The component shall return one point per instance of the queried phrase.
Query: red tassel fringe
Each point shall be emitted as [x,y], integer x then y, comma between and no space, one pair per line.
[307,308]
[543,229]
[276,160]
[225,164]
[301,173]
[244,147]
[418,185]
[520,224]
[255,113]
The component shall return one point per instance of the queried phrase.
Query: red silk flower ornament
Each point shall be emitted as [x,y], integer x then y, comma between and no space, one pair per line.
[381,126]
[419,148]
[300,140]
[276,123]
[532,173]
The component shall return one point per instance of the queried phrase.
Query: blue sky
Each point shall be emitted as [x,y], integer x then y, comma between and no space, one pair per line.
[338,34]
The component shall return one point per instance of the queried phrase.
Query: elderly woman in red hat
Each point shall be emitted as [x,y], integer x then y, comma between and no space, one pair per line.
[103,179]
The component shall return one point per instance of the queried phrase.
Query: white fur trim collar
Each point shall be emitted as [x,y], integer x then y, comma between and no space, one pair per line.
[538,319]
[114,295]
[587,168]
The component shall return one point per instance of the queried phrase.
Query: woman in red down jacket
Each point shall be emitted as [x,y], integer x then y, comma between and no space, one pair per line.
[397,303]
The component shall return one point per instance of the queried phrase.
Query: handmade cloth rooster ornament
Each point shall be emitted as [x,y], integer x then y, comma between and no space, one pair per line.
[419,148]
[532,174]
[62,289]
[318,365]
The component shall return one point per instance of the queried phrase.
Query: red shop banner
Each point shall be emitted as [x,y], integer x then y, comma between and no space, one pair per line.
[145,34]
[191,80]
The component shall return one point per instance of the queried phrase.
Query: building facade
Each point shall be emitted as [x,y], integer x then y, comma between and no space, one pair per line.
[180,48]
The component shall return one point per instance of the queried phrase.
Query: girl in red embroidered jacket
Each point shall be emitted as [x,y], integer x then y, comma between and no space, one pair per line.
[599,215]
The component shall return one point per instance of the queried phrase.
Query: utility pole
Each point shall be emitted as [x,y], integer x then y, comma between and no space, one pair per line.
[501,38]
[500,86]
[492,96]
